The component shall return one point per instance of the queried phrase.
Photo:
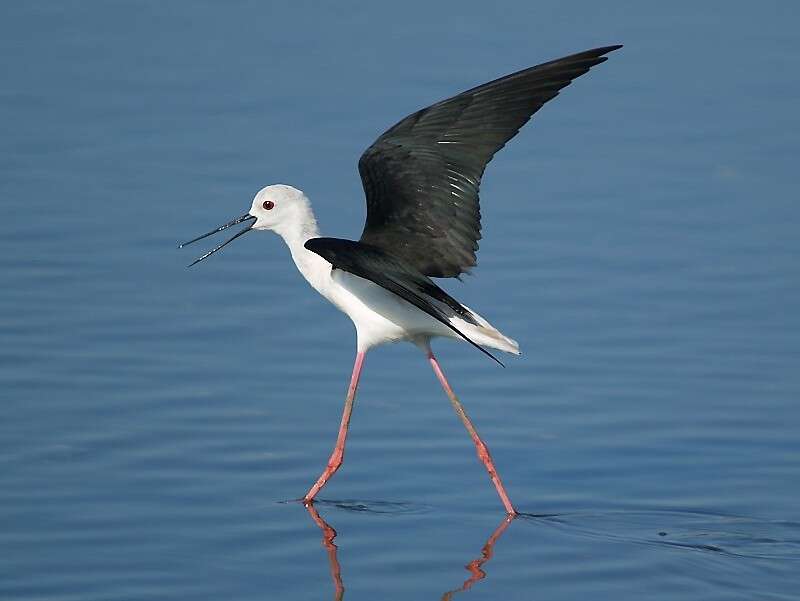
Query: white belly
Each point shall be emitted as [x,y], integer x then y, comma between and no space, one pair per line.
[379,315]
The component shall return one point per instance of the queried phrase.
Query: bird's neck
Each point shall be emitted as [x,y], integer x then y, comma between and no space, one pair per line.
[296,233]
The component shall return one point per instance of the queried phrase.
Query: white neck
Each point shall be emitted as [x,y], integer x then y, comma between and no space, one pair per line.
[296,233]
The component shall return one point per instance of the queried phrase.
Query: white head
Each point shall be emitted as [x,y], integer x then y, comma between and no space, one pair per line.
[280,208]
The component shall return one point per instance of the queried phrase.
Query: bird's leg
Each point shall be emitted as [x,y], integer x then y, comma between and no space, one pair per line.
[337,457]
[480,446]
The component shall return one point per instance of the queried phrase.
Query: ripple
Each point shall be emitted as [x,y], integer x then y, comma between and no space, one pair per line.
[371,506]
[733,535]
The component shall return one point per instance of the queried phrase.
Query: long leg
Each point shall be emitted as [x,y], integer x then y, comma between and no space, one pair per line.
[337,456]
[480,446]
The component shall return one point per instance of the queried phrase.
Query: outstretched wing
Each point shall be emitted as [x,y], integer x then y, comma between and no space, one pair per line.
[379,267]
[421,177]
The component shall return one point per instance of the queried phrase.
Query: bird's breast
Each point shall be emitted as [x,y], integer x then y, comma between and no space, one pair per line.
[379,315]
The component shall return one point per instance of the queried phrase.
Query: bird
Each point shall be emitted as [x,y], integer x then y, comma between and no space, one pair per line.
[421,181]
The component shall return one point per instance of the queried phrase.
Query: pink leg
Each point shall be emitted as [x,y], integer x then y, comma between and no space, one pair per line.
[337,457]
[480,446]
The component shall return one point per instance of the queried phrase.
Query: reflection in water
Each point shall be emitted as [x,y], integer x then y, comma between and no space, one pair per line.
[474,567]
[328,534]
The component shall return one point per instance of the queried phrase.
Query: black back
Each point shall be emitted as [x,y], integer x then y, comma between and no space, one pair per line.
[421,177]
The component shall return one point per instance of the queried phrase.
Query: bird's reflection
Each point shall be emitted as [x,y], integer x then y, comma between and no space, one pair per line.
[328,534]
[475,567]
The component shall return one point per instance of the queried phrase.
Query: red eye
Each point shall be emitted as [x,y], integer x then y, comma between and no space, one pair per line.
[268,205]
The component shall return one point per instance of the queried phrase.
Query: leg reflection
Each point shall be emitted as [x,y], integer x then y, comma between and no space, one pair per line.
[474,567]
[328,534]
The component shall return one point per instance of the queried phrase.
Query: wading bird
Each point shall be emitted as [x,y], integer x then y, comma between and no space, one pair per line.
[421,180]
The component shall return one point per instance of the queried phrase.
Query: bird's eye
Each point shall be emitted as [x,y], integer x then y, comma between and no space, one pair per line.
[268,205]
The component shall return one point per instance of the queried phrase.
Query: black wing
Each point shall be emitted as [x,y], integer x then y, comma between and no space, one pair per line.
[421,177]
[374,264]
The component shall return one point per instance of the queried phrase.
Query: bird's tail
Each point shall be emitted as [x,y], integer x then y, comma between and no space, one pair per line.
[485,334]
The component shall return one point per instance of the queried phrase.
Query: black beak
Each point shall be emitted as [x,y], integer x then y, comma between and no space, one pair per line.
[238,220]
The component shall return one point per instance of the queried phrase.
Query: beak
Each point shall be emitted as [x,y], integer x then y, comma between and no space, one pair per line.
[244,218]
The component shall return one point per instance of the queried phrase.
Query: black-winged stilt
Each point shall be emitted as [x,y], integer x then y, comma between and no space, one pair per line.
[421,180]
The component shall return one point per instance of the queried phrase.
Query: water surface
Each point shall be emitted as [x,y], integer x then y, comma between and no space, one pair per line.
[640,242]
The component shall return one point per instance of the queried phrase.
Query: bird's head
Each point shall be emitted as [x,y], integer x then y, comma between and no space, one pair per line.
[277,207]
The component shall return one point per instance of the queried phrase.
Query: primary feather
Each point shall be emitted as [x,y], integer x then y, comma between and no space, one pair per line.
[421,177]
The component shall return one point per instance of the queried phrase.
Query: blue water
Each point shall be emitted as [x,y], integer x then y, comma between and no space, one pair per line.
[640,242]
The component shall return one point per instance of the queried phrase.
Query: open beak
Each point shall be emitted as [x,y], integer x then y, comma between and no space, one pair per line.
[247,217]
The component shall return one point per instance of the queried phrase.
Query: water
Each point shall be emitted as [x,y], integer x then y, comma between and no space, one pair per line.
[640,242]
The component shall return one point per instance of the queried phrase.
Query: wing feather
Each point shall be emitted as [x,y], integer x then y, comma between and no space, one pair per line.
[422,177]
